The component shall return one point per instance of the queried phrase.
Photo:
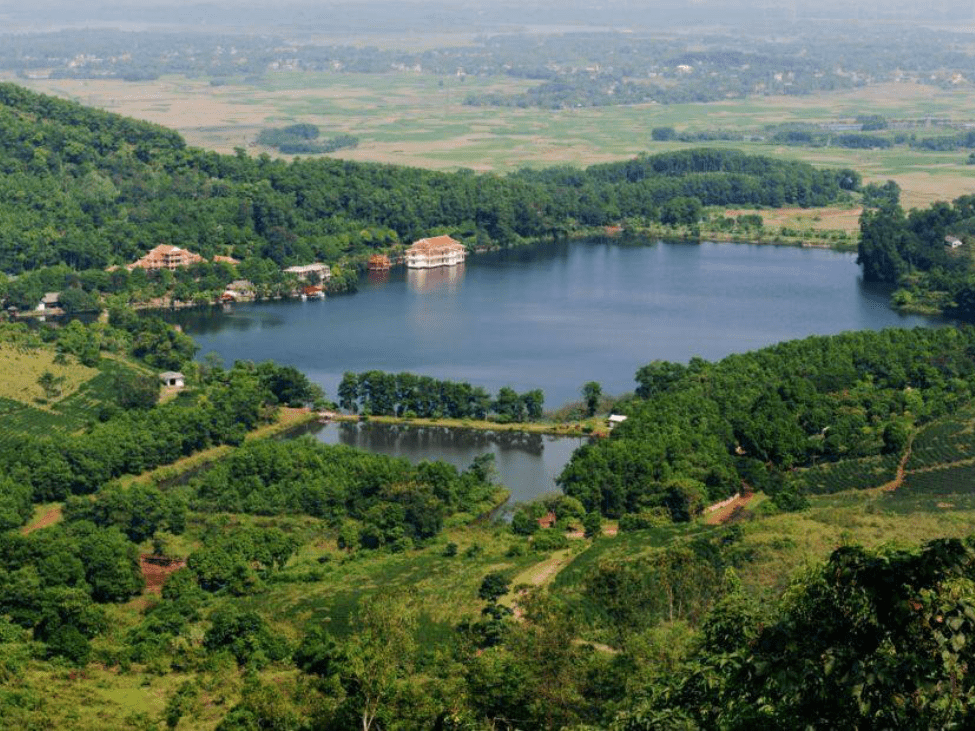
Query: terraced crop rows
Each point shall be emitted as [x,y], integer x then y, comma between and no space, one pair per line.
[850,474]
[948,481]
[945,441]
[64,417]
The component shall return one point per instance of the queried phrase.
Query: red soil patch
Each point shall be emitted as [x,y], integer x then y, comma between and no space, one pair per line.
[156,569]
[731,511]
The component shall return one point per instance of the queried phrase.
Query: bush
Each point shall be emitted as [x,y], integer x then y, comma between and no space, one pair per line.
[493,587]
[245,635]
[592,524]
[549,539]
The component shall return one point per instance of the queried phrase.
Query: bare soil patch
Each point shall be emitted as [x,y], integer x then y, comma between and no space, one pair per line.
[730,511]
[156,569]
[819,219]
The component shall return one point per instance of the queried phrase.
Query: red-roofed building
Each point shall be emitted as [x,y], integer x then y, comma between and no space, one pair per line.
[166,256]
[438,251]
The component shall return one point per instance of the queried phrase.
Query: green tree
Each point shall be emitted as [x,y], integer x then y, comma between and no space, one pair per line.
[373,663]
[135,390]
[245,635]
[493,587]
[592,392]
[592,524]
[51,384]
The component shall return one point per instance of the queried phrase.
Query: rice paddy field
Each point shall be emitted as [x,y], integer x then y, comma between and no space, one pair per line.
[408,118]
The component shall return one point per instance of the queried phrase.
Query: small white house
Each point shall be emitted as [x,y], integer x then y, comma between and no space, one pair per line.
[50,301]
[615,419]
[953,242]
[173,378]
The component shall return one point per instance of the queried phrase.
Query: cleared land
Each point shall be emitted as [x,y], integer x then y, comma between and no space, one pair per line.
[413,119]
[22,366]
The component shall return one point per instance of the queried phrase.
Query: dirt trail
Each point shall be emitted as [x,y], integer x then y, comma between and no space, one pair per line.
[901,470]
[723,515]
[543,572]
[50,517]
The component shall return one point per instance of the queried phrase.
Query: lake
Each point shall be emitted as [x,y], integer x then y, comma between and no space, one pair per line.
[527,464]
[556,316]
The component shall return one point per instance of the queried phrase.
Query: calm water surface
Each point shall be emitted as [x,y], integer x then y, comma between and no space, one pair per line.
[527,464]
[556,316]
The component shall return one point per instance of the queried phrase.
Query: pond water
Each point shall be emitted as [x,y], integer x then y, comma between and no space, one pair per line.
[527,464]
[556,316]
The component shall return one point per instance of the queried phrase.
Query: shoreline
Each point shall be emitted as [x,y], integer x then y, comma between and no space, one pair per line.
[623,236]
[597,427]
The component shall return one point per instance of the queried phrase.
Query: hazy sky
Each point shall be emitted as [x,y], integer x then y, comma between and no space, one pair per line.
[367,15]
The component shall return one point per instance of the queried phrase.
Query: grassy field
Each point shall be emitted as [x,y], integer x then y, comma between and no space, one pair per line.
[22,366]
[414,119]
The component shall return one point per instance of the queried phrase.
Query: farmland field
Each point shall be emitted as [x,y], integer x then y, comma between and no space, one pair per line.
[83,393]
[420,120]
[948,489]
[947,440]
[849,474]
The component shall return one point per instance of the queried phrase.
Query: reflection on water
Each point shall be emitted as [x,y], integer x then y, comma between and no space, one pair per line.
[431,280]
[202,321]
[555,317]
[527,464]
[410,440]
[377,276]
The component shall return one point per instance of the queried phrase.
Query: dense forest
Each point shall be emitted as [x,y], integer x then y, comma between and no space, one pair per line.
[83,190]
[699,432]
[303,139]
[927,253]
[409,395]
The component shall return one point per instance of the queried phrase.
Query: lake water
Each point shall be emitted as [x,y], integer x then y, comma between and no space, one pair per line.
[556,316]
[527,464]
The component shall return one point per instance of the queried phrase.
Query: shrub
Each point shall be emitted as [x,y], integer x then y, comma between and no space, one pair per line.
[549,539]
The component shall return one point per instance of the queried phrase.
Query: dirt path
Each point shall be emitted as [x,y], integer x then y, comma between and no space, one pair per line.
[724,514]
[901,470]
[538,574]
[49,517]
[542,573]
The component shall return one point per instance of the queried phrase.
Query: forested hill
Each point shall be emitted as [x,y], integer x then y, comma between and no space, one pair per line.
[88,189]
[699,432]
[927,253]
